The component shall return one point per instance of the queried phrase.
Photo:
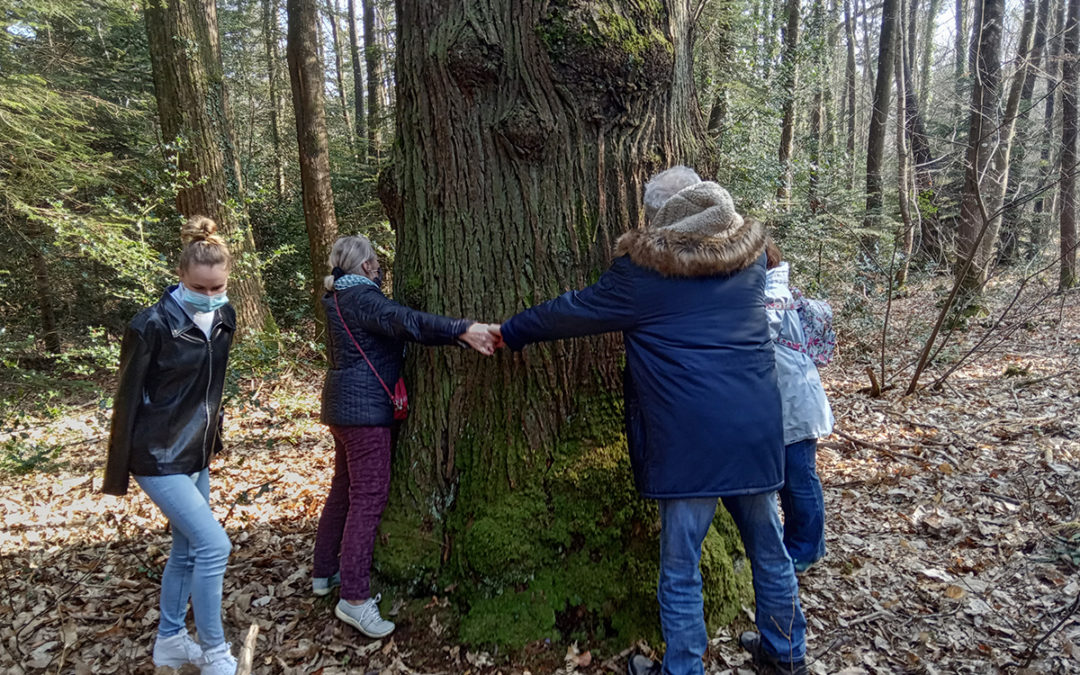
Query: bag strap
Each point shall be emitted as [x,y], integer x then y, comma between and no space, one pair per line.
[357,344]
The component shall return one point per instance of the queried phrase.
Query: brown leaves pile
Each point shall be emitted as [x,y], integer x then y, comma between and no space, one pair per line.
[952,516]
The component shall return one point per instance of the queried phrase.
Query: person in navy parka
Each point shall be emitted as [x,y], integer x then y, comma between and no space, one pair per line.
[703,411]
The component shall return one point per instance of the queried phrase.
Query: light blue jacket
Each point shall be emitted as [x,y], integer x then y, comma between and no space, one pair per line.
[806,409]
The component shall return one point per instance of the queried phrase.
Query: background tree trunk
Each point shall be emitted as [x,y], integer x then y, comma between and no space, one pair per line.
[849,91]
[789,75]
[906,235]
[925,81]
[273,77]
[1070,120]
[1040,230]
[339,72]
[1019,177]
[306,75]
[875,146]
[358,77]
[193,106]
[982,174]
[373,63]
[510,183]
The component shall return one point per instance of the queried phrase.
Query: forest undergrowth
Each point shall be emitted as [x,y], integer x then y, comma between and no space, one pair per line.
[953,525]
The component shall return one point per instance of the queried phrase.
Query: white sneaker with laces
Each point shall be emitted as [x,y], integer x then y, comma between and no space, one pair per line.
[322,585]
[176,650]
[365,617]
[218,661]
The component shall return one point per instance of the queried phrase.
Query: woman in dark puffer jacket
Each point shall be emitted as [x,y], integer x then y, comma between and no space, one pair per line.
[367,334]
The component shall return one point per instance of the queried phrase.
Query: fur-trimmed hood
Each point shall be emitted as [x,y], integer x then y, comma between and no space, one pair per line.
[690,254]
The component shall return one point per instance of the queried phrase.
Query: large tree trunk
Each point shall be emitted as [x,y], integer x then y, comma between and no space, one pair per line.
[36,240]
[306,75]
[789,74]
[1070,120]
[982,174]
[358,77]
[339,74]
[273,76]
[875,146]
[373,63]
[510,183]
[193,106]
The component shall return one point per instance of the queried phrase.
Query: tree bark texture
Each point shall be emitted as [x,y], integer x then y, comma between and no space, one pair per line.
[982,172]
[962,56]
[358,77]
[193,106]
[306,75]
[1070,125]
[525,134]
[925,81]
[789,75]
[879,115]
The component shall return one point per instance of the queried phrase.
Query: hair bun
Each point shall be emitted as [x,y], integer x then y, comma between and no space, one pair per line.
[199,228]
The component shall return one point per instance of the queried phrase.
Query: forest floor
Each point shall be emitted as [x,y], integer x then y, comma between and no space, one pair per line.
[953,526]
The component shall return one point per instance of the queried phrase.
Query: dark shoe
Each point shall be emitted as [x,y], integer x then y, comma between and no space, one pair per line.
[639,664]
[767,663]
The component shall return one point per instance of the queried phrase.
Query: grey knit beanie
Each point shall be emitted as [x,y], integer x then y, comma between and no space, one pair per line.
[704,208]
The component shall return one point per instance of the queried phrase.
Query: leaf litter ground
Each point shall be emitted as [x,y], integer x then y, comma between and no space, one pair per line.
[953,528]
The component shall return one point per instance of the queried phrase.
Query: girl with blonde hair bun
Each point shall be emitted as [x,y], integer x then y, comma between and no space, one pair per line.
[166,426]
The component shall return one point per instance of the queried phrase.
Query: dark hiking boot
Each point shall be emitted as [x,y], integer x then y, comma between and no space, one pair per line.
[640,664]
[767,663]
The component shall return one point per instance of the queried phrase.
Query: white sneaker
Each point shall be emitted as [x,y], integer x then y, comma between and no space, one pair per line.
[176,650]
[365,617]
[323,585]
[218,661]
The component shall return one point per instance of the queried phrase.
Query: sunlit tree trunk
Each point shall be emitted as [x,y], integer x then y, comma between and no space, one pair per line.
[193,107]
[925,72]
[982,173]
[306,75]
[1044,203]
[906,236]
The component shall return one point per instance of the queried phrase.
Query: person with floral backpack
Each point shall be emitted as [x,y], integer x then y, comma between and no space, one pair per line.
[803,338]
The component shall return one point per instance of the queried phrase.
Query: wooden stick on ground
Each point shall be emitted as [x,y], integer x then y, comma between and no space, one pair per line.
[247,652]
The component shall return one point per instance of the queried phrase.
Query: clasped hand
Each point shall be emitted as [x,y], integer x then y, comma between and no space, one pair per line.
[483,337]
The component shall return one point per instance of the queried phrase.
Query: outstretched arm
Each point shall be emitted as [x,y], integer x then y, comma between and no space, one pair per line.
[604,307]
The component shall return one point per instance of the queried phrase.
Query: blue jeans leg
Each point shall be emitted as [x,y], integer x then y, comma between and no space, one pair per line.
[778,613]
[683,525]
[200,551]
[804,505]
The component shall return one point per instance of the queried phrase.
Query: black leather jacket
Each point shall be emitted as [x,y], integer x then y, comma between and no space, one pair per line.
[352,396]
[167,410]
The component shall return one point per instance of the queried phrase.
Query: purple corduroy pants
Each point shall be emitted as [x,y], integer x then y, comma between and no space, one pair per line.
[346,536]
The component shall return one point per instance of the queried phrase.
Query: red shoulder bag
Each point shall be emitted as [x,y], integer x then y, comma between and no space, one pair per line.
[399,398]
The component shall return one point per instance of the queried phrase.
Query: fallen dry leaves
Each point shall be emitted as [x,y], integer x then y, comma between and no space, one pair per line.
[953,531]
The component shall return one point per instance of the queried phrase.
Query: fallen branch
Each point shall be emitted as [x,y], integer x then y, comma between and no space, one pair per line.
[247,652]
[878,447]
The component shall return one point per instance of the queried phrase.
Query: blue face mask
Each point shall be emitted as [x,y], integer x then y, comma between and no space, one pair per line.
[200,302]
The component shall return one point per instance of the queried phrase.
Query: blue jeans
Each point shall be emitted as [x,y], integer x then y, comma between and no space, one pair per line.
[683,525]
[200,550]
[803,504]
